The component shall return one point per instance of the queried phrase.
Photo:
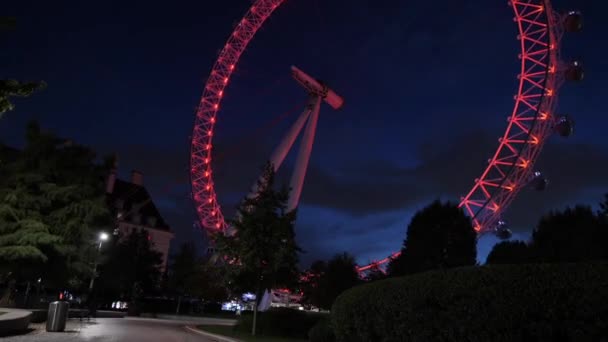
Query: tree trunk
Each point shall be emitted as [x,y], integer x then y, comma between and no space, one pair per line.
[255,307]
[255,317]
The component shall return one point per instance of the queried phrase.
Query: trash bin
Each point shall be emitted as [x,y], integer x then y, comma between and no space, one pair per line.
[57,316]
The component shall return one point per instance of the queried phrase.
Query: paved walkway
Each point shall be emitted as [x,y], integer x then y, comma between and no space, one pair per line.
[113,330]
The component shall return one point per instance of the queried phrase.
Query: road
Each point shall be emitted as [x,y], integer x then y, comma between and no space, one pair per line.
[115,330]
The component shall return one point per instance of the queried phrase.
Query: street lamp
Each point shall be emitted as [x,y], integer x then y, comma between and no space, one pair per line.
[103,236]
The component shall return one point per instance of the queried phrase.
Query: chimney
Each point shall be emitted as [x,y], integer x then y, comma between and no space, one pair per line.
[137,178]
[111,181]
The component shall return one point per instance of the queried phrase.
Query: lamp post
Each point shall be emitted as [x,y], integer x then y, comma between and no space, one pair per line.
[101,238]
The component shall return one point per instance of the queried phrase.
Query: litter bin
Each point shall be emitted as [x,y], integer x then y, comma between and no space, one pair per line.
[57,316]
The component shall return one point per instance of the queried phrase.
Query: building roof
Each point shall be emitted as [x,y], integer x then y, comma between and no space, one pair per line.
[134,202]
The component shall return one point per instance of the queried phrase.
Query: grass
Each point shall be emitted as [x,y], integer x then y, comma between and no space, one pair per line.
[229,332]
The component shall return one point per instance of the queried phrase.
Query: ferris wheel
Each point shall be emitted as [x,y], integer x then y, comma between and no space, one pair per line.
[532,121]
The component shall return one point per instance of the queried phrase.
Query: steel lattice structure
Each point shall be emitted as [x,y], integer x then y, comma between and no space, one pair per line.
[508,171]
[531,122]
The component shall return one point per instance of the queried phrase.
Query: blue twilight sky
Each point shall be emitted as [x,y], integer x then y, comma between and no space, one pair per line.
[428,86]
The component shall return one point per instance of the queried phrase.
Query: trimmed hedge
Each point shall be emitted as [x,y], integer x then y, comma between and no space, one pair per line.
[534,302]
[281,322]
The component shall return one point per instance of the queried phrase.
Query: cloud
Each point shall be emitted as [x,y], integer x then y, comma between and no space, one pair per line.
[448,170]
[323,232]
[364,206]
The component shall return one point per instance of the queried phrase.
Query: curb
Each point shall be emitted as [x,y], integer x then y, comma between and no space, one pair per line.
[14,321]
[217,338]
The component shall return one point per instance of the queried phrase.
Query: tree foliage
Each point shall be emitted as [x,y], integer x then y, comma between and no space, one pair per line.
[325,281]
[439,236]
[263,252]
[509,252]
[570,235]
[132,267]
[13,88]
[194,276]
[7,23]
[574,234]
[52,202]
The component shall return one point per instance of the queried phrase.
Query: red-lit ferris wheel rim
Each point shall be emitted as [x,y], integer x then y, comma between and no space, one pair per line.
[508,171]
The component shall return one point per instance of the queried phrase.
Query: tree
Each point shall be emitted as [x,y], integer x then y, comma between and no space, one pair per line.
[603,213]
[263,252]
[575,234]
[52,203]
[310,285]
[325,281]
[133,267]
[374,274]
[13,88]
[341,275]
[509,252]
[182,278]
[191,275]
[7,23]
[439,236]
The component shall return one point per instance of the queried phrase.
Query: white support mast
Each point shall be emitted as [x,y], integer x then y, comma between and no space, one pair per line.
[317,92]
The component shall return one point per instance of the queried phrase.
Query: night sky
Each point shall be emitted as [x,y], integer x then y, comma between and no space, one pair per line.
[428,86]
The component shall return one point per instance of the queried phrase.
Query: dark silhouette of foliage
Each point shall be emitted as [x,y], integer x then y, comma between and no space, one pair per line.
[499,303]
[132,267]
[340,276]
[191,275]
[263,252]
[7,23]
[575,234]
[327,280]
[509,252]
[52,205]
[312,294]
[13,88]
[439,236]
[374,274]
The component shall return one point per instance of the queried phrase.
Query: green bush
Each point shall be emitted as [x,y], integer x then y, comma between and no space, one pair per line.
[534,302]
[280,322]
[322,331]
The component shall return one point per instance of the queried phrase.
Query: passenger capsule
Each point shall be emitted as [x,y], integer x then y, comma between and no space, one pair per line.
[573,22]
[564,126]
[502,232]
[539,182]
[574,72]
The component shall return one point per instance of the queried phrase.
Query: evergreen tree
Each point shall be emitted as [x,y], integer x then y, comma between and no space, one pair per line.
[439,236]
[263,253]
[52,203]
